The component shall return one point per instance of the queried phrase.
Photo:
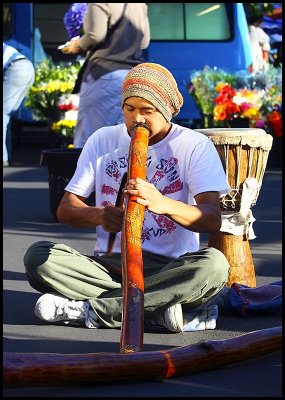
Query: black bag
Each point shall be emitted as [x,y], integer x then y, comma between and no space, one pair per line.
[79,78]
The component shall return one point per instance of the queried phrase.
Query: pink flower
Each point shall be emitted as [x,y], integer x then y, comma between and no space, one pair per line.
[259,123]
[245,106]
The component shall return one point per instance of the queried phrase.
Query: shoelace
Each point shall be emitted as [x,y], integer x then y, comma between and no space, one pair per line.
[71,310]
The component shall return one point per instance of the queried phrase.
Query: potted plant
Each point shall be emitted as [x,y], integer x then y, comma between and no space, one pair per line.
[51,100]
[50,97]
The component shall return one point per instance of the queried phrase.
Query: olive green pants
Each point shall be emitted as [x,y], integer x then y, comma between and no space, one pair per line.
[191,280]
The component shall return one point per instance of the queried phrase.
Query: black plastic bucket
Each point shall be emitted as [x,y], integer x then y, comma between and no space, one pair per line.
[61,165]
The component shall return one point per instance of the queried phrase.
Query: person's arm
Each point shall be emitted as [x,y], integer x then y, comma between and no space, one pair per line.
[95,30]
[95,26]
[74,212]
[205,217]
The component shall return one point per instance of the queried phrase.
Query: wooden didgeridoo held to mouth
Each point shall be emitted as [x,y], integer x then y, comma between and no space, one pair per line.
[131,248]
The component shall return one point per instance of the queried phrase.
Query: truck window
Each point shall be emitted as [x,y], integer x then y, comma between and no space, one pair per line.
[213,16]
[166,21]
[187,21]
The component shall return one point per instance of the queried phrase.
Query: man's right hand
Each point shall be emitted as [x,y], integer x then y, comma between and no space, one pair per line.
[112,218]
[73,211]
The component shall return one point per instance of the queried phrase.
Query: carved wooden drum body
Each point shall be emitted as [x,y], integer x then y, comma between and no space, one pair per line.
[244,154]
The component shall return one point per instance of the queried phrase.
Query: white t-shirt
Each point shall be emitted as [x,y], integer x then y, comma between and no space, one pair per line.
[182,165]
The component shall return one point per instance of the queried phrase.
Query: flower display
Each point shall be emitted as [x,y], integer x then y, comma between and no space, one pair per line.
[68,107]
[73,19]
[50,97]
[272,101]
[51,83]
[202,87]
[44,99]
[68,104]
[242,103]
[255,98]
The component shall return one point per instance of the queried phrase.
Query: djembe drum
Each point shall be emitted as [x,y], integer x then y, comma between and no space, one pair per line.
[244,153]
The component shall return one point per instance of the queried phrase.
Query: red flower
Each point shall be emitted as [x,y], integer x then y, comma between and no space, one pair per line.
[225,108]
[232,108]
[65,107]
[226,94]
[275,121]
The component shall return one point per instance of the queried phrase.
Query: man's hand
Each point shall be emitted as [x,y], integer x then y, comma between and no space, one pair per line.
[72,47]
[73,211]
[147,194]
[204,217]
[112,218]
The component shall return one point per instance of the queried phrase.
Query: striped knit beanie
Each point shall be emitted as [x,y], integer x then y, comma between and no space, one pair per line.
[156,84]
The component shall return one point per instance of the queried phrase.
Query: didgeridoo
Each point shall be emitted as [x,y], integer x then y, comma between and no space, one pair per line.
[131,249]
[42,369]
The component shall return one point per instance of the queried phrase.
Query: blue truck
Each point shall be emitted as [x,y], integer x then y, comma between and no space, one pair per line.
[184,38]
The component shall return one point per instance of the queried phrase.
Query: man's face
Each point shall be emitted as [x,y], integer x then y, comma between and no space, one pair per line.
[137,109]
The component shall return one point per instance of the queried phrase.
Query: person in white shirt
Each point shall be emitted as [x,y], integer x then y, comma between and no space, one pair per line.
[181,195]
[18,76]
[260,44]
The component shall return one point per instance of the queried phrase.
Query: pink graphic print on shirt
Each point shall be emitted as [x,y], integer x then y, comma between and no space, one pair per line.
[167,171]
[116,170]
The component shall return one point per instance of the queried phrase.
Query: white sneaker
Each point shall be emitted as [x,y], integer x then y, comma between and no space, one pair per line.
[54,308]
[172,319]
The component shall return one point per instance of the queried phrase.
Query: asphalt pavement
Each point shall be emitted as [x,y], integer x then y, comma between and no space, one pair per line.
[27,218]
